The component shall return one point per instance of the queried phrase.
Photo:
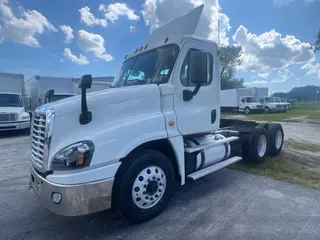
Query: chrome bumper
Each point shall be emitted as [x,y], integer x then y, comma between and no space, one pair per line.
[76,200]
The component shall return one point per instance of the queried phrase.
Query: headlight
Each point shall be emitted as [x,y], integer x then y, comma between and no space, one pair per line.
[272,106]
[76,155]
[25,116]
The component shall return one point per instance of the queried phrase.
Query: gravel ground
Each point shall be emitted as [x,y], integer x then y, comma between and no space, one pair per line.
[224,205]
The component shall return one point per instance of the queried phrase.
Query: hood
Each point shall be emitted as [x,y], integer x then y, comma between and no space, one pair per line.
[18,110]
[104,97]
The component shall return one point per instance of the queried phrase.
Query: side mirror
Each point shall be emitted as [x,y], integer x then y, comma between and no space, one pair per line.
[85,82]
[48,95]
[198,70]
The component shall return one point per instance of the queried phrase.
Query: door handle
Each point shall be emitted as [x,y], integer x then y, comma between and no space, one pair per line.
[213,116]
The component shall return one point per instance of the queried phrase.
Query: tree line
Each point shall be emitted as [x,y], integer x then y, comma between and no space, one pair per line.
[306,93]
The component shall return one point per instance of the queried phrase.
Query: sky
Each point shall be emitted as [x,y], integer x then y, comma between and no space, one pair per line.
[76,37]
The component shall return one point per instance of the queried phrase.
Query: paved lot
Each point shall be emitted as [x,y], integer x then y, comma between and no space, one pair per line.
[225,205]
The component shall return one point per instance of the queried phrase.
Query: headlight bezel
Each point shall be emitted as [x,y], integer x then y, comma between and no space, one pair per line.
[69,157]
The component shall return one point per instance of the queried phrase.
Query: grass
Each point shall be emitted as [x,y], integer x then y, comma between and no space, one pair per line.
[282,168]
[303,146]
[299,110]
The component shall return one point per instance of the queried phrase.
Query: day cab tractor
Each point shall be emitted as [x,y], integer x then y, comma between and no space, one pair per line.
[159,123]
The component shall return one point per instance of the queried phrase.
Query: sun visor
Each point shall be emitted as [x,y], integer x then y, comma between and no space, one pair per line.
[185,24]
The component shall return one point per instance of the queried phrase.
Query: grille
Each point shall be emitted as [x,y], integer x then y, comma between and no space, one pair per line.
[38,139]
[278,106]
[259,106]
[8,117]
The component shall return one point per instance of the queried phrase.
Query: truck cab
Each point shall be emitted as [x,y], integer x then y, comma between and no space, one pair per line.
[284,105]
[249,104]
[270,105]
[124,147]
[284,101]
[12,112]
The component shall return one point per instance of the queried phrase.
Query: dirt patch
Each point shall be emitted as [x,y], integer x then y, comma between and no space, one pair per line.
[304,119]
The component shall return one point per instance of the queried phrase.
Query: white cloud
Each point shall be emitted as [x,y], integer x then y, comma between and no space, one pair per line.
[89,19]
[68,31]
[264,75]
[256,82]
[283,75]
[270,50]
[159,12]
[82,60]
[116,10]
[132,28]
[24,28]
[313,69]
[90,42]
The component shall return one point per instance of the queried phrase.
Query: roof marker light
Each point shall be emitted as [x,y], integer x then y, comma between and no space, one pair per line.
[136,50]
[146,47]
[141,48]
[165,41]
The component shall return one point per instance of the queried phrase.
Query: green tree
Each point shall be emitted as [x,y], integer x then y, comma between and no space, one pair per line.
[229,60]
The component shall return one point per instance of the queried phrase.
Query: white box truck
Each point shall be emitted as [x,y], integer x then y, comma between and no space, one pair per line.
[242,100]
[43,89]
[98,84]
[126,146]
[13,102]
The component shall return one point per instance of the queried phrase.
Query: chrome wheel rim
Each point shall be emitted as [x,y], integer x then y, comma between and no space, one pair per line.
[246,111]
[278,139]
[262,145]
[149,187]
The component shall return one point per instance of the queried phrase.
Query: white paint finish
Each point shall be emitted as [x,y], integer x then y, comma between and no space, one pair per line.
[178,148]
[122,119]
[12,83]
[198,110]
[85,175]
[167,95]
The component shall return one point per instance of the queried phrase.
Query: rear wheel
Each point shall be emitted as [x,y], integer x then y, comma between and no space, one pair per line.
[276,138]
[144,187]
[255,145]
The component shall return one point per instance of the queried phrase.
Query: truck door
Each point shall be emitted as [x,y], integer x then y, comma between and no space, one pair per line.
[202,112]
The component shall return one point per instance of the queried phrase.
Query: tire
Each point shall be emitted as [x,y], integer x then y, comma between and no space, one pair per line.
[255,145]
[266,110]
[276,138]
[142,179]
[247,110]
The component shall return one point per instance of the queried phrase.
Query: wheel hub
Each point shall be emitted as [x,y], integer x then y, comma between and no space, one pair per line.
[152,188]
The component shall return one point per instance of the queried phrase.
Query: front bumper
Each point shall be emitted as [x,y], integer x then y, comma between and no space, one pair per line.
[257,110]
[76,200]
[5,126]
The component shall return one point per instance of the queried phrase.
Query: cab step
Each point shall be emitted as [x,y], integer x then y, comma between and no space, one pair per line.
[215,143]
[213,168]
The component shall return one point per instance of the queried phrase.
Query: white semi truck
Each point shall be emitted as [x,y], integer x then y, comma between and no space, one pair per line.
[13,102]
[242,100]
[124,147]
[44,89]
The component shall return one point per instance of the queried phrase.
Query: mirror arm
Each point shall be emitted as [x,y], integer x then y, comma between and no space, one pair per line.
[85,116]
[188,95]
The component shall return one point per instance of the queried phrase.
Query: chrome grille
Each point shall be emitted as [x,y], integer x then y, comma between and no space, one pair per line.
[278,106]
[8,117]
[259,106]
[38,139]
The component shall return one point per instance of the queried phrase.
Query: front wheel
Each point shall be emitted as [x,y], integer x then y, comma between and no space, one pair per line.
[247,110]
[144,188]
[266,110]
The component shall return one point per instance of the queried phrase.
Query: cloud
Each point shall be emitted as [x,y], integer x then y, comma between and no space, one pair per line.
[270,50]
[89,19]
[132,28]
[283,75]
[159,12]
[257,82]
[90,42]
[68,31]
[24,28]
[82,60]
[264,75]
[313,69]
[116,10]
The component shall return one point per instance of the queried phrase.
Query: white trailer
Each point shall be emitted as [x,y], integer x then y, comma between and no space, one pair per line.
[242,99]
[126,147]
[38,86]
[13,102]
[98,84]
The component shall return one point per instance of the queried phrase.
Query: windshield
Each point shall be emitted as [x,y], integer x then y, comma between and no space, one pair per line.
[10,100]
[251,100]
[154,66]
[277,100]
[283,100]
[59,97]
[269,100]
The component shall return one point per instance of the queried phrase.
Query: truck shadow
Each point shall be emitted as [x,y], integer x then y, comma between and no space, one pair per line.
[14,133]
